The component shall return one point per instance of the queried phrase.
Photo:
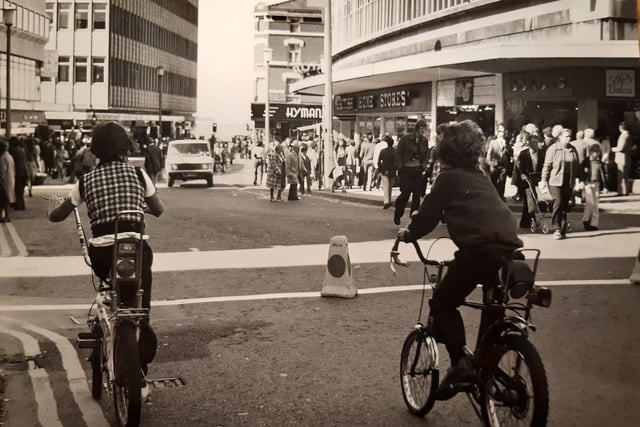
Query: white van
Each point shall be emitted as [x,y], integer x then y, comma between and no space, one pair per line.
[189,159]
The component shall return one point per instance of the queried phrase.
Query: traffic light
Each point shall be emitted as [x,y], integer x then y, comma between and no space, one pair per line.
[215,127]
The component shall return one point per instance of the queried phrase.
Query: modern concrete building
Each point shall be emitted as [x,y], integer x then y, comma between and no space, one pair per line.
[28,34]
[294,30]
[573,62]
[134,61]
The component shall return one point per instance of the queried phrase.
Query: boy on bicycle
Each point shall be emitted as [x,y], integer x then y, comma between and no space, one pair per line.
[479,223]
[114,186]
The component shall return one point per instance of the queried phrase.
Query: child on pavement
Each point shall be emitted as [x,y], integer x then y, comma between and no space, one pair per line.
[479,223]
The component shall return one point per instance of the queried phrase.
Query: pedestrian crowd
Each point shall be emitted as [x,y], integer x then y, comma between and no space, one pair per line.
[551,168]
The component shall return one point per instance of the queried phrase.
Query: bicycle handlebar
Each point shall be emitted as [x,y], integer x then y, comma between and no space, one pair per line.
[395,256]
[83,240]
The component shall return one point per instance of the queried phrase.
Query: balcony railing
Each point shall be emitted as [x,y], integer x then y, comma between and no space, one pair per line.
[356,21]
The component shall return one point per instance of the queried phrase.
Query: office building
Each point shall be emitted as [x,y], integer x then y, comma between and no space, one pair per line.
[294,30]
[126,60]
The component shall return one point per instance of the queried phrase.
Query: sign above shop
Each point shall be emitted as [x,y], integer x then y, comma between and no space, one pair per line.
[621,83]
[400,99]
[288,112]
[464,92]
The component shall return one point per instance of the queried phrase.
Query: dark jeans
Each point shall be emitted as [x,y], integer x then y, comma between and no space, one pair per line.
[293,192]
[561,197]
[20,183]
[499,179]
[525,218]
[467,271]
[101,260]
[411,184]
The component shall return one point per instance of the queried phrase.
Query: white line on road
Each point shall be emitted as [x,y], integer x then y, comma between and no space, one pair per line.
[91,410]
[43,394]
[22,249]
[5,250]
[289,295]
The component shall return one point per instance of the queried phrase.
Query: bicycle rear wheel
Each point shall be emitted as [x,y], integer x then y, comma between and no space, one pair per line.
[126,389]
[419,373]
[518,391]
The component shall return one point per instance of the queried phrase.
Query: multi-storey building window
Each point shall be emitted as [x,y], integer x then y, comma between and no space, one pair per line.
[287,88]
[97,70]
[82,16]
[80,71]
[294,55]
[64,9]
[99,16]
[50,8]
[63,69]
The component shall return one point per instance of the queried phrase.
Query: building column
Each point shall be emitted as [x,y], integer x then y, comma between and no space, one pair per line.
[434,113]
[499,101]
[587,113]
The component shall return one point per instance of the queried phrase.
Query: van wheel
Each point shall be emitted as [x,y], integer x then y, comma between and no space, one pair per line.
[210,181]
[170,183]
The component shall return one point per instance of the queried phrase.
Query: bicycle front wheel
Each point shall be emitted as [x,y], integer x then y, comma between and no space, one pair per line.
[419,373]
[96,359]
[126,389]
[517,391]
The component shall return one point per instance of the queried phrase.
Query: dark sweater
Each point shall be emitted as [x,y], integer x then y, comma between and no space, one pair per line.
[477,219]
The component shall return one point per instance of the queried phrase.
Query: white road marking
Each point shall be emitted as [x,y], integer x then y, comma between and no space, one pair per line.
[581,245]
[290,295]
[91,410]
[43,393]
[22,249]
[5,249]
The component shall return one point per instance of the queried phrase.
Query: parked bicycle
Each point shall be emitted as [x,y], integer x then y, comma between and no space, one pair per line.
[114,324]
[509,384]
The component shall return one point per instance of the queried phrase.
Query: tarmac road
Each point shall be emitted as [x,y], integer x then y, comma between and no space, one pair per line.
[305,360]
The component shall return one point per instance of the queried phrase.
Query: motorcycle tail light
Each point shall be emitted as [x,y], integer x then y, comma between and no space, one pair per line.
[126,268]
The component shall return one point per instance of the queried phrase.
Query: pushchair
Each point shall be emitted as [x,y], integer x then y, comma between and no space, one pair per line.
[539,209]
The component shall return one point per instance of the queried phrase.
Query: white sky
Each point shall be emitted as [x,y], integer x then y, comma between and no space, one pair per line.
[225,66]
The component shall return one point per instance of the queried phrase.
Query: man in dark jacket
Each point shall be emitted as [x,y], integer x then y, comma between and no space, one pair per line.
[412,162]
[387,168]
[22,173]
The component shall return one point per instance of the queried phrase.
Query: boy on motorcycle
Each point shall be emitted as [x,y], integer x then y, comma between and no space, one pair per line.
[479,223]
[114,186]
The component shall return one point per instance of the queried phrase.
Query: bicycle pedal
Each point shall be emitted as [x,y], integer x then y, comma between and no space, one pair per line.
[87,340]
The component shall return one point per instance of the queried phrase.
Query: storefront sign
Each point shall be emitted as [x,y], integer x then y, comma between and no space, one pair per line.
[397,99]
[307,70]
[287,112]
[621,83]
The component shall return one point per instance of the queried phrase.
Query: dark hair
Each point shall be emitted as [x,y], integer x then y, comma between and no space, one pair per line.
[109,141]
[460,144]
[388,140]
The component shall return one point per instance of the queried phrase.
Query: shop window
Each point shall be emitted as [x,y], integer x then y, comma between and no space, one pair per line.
[64,9]
[97,70]
[63,69]
[99,16]
[80,71]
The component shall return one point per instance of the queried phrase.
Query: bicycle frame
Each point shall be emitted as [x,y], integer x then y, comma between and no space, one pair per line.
[495,299]
[107,307]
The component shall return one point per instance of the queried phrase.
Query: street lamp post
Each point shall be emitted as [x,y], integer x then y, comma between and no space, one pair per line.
[9,18]
[268,54]
[160,75]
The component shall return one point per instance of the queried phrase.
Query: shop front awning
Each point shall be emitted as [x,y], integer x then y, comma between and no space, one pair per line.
[471,61]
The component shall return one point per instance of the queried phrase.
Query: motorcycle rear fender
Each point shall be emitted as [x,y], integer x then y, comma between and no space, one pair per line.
[508,325]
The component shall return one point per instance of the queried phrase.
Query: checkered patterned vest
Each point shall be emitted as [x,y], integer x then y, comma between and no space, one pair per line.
[111,188]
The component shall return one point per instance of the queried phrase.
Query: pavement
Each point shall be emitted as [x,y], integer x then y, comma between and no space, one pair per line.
[621,243]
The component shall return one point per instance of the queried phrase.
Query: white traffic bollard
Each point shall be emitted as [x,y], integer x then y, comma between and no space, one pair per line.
[338,281]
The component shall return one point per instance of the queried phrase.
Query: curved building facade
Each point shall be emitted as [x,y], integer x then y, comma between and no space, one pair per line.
[573,62]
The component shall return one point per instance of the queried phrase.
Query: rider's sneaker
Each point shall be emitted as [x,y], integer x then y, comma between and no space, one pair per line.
[460,373]
[145,391]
